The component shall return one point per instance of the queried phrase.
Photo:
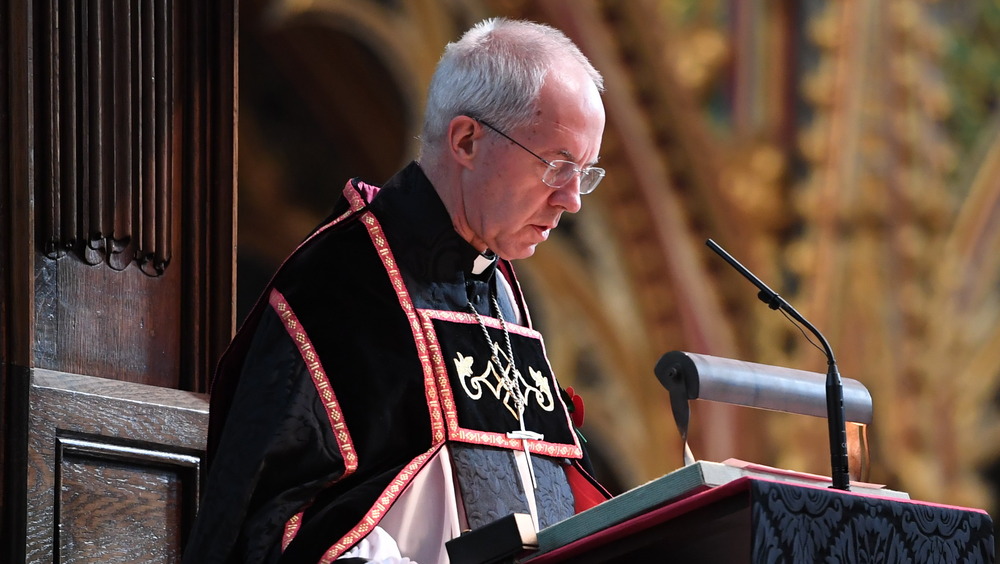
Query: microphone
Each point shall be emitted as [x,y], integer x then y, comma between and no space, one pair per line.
[836,419]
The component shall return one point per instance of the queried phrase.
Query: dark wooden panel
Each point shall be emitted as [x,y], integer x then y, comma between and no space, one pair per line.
[123,325]
[16,268]
[113,469]
[119,176]
[208,247]
[5,259]
[107,72]
[120,503]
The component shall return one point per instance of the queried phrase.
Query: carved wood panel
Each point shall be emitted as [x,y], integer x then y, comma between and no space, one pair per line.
[117,178]
[108,89]
[121,167]
[114,469]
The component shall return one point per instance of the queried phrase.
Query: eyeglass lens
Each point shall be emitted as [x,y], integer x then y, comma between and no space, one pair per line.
[562,172]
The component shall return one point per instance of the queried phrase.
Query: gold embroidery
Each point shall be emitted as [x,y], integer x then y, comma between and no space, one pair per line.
[492,378]
[455,431]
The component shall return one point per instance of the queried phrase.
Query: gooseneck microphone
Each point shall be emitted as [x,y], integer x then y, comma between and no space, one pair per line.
[834,386]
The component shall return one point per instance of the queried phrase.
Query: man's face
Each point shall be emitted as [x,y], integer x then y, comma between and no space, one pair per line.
[507,206]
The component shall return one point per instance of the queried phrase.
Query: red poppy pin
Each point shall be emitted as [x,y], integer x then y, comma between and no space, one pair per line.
[575,406]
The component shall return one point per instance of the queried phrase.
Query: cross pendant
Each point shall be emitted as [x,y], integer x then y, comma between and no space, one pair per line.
[524,435]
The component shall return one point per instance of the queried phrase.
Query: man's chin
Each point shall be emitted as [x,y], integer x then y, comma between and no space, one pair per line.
[516,253]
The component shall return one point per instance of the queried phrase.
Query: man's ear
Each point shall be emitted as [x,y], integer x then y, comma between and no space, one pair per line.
[464,134]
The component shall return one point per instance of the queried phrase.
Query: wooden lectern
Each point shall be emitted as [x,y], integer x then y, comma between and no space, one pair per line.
[740,512]
[734,513]
[761,520]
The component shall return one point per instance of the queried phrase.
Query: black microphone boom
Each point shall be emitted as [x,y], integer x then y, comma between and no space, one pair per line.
[834,386]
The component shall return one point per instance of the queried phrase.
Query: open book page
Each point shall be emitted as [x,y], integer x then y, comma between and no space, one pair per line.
[754,469]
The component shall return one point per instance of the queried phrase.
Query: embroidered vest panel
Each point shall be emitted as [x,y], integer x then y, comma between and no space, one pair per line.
[467,400]
[479,408]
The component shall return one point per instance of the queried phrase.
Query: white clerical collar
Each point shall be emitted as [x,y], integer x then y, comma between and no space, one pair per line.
[483,261]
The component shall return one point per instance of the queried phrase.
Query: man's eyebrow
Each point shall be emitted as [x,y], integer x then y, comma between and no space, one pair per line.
[571,157]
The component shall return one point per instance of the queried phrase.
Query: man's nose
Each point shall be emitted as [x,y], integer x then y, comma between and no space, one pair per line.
[567,196]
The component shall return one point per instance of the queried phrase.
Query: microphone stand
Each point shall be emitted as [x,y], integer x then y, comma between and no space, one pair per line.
[834,386]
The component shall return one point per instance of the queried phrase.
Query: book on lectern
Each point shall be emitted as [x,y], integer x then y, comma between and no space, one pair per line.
[677,485]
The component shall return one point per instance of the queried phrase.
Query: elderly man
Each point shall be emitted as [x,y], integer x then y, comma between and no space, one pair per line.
[388,391]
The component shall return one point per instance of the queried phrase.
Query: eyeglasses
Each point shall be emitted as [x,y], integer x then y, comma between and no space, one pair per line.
[559,173]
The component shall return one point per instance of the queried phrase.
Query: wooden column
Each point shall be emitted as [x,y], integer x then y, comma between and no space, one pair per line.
[117,169]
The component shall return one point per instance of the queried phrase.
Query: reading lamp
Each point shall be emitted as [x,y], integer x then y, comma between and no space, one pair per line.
[689,376]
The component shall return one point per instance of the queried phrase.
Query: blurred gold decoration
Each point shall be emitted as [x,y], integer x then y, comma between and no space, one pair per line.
[854,166]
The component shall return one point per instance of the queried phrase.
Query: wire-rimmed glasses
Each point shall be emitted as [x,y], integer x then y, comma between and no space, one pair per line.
[559,173]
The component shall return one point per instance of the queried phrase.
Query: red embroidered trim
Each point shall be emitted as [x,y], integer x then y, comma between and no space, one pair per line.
[556,450]
[291,529]
[431,392]
[375,514]
[354,199]
[462,317]
[457,433]
[319,379]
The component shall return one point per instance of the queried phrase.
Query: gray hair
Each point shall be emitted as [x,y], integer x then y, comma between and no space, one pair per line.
[495,72]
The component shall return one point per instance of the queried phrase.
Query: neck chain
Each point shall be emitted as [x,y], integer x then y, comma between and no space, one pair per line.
[510,377]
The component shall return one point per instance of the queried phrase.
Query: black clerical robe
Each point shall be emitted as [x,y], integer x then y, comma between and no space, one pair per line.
[362,359]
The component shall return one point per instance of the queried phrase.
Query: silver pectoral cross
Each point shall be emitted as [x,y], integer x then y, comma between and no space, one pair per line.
[524,435]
